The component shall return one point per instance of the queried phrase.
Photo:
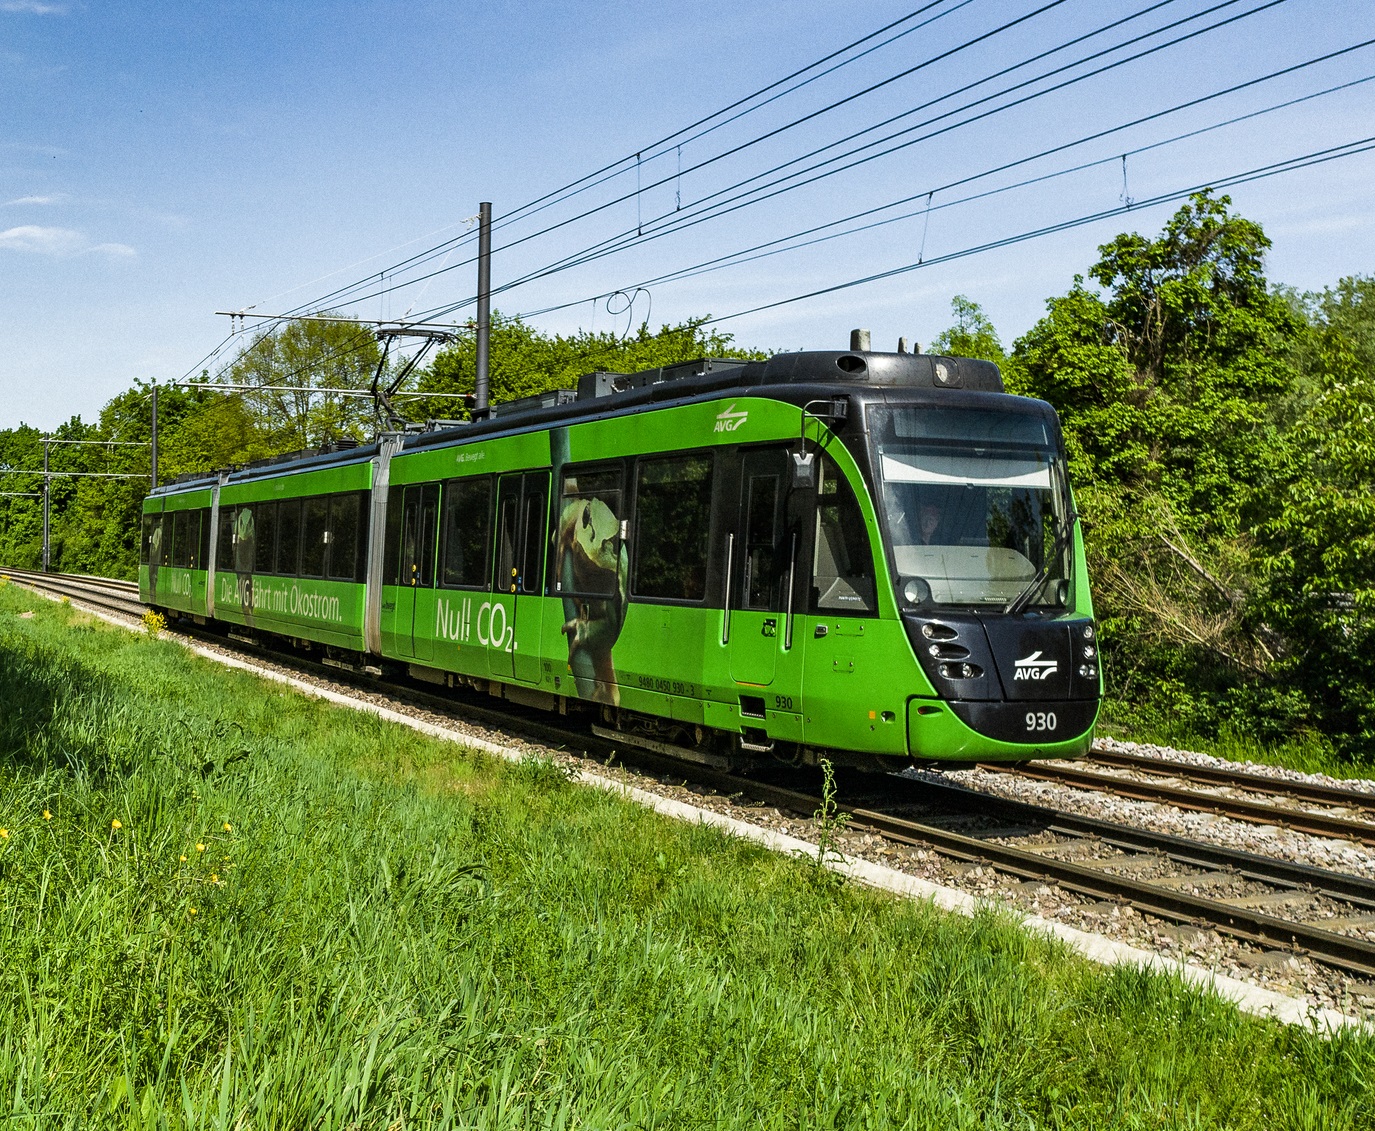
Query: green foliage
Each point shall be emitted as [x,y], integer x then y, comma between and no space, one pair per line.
[371,928]
[1222,448]
[525,362]
[1317,531]
[308,353]
[972,335]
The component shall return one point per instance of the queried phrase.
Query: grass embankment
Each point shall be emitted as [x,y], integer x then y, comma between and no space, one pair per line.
[225,905]
[1309,752]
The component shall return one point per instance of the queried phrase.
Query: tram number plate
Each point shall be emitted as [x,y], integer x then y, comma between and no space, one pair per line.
[668,686]
[1040,720]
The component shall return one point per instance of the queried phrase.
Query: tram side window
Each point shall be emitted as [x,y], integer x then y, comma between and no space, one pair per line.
[245,539]
[186,538]
[265,544]
[314,532]
[532,538]
[672,527]
[391,562]
[203,551]
[467,533]
[429,532]
[763,527]
[168,537]
[343,537]
[288,537]
[842,565]
[588,551]
[224,547]
[150,521]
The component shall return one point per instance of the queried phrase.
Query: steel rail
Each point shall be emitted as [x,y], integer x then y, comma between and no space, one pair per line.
[1353,955]
[1256,812]
[1314,792]
[105,593]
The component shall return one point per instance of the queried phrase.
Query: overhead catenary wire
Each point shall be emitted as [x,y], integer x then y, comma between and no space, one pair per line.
[749,198]
[769,248]
[1317,157]
[688,218]
[628,196]
[540,203]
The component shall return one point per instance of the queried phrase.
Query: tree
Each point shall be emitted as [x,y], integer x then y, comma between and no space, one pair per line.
[525,361]
[972,335]
[320,353]
[1318,532]
[1168,385]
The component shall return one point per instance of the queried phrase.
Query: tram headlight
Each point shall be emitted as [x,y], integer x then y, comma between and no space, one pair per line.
[1088,632]
[1090,651]
[915,591]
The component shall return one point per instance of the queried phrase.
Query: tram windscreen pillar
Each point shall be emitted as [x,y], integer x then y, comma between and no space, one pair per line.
[484,305]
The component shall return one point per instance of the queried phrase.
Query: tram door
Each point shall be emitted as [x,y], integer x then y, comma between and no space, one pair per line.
[762,566]
[517,611]
[415,600]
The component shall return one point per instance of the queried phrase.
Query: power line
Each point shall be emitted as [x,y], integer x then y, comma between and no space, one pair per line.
[748,198]
[928,62]
[540,203]
[747,255]
[680,221]
[1317,157]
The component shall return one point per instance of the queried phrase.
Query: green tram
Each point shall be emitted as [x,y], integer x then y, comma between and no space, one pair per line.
[868,557]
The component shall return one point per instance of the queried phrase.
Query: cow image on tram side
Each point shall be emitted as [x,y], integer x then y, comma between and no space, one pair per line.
[592,567]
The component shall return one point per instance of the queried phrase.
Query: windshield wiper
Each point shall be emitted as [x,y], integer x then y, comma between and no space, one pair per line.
[1023,599]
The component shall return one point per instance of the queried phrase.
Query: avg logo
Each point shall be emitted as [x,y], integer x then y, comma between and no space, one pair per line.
[730,420]
[1033,667]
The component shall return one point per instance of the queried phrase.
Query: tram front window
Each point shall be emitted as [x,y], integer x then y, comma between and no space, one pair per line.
[975,504]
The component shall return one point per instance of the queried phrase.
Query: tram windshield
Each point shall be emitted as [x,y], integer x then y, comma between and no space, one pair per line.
[976,506]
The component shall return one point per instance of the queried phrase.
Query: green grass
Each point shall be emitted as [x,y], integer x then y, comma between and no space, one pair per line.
[406,934]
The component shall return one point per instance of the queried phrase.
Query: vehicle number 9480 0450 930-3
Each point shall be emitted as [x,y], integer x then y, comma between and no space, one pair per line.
[1040,721]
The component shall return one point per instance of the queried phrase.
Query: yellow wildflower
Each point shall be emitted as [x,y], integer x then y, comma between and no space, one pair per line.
[115,824]
[47,816]
[214,877]
[183,858]
[4,834]
[200,848]
[228,827]
[193,911]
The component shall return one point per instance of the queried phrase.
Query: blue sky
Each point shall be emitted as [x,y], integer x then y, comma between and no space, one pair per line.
[159,162]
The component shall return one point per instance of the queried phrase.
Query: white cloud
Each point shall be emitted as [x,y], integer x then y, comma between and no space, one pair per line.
[33,7]
[57,242]
[35,200]
[122,250]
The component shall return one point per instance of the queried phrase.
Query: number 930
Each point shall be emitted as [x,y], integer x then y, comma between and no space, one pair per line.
[1040,721]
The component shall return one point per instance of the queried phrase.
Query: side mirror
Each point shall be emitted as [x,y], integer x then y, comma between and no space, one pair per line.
[804,471]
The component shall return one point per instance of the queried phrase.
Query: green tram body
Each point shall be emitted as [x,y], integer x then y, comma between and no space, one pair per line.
[694,553]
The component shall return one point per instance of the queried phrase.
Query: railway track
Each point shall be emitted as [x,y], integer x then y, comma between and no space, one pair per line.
[1341,825]
[107,593]
[1290,908]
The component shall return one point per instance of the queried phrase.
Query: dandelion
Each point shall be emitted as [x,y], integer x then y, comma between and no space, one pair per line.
[183,858]
[47,816]
[115,824]
[214,877]
[4,834]
[228,827]
[200,847]
[192,910]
